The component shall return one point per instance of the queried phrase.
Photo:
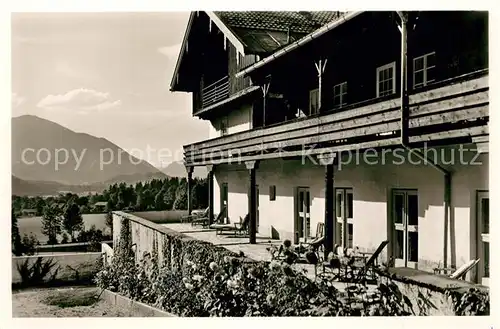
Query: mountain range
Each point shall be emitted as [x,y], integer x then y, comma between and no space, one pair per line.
[47,157]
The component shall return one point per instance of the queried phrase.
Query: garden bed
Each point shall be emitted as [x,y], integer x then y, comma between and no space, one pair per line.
[67,302]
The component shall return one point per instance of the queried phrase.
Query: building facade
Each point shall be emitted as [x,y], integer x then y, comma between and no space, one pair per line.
[374,123]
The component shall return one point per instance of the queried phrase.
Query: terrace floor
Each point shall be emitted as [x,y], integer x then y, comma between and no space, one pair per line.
[229,240]
[237,243]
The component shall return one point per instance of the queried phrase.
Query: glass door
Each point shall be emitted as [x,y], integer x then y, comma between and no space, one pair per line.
[405,228]
[483,239]
[257,204]
[303,215]
[344,228]
[224,197]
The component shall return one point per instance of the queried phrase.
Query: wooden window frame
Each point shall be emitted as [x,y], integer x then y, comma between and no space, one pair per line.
[340,95]
[425,68]
[311,92]
[382,68]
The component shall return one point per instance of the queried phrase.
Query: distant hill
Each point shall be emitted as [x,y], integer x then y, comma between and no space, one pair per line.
[32,135]
[177,169]
[22,187]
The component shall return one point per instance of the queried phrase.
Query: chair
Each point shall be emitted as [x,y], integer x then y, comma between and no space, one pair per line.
[241,227]
[460,272]
[371,261]
[194,215]
[203,221]
[316,243]
[334,262]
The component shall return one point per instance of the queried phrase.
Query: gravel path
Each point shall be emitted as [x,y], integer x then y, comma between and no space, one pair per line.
[34,303]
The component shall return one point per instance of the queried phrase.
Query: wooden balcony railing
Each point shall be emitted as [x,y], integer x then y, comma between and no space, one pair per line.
[456,109]
[215,92]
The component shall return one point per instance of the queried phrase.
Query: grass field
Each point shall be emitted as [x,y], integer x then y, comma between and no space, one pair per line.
[65,302]
[33,225]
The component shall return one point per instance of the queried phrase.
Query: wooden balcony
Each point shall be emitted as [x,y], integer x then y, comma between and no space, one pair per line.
[447,112]
[215,92]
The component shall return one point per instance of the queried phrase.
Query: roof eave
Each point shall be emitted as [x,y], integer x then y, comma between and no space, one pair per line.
[175,75]
[297,44]
[235,41]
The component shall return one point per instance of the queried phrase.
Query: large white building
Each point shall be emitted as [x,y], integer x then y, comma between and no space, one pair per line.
[310,124]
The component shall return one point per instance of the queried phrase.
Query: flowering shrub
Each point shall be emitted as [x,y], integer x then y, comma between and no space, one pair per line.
[196,278]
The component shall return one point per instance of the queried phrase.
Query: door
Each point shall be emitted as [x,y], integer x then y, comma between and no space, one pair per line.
[344,229]
[405,228]
[224,198]
[303,215]
[483,238]
[257,205]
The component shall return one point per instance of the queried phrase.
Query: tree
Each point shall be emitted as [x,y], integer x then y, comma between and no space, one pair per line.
[72,219]
[65,238]
[169,197]
[29,244]
[109,221]
[180,202]
[39,204]
[159,200]
[17,245]
[51,223]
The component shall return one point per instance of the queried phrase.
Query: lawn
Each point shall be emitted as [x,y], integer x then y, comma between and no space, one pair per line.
[33,225]
[63,302]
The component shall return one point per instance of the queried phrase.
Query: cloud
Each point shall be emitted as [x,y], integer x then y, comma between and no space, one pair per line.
[17,100]
[80,100]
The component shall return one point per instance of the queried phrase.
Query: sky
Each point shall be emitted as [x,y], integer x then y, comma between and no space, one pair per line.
[108,75]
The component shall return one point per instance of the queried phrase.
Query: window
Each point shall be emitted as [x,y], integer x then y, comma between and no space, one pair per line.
[423,70]
[313,101]
[223,126]
[340,95]
[272,192]
[386,83]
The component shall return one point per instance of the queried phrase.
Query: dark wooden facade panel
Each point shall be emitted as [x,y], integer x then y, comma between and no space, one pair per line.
[442,106]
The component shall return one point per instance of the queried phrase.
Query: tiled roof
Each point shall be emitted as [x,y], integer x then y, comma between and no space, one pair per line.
[267,31]
[301,22]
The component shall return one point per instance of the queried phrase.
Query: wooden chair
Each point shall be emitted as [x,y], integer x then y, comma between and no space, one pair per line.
[203,221]
[371,262]
[315,244]
[459,273]
[241,227]
[190,218]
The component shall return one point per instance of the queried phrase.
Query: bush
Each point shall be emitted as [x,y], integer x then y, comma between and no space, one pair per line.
[29,244]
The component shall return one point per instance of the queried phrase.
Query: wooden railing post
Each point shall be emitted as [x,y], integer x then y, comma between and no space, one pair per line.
[252,201]
[189,188]
[210,169]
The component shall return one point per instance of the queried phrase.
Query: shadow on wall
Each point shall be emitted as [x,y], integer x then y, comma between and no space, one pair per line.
[54,270]
[162,217]
[373,184]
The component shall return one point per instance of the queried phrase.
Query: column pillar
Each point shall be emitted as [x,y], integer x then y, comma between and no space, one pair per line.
[189,188]
[252,201]
[329,164]
[210,169]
